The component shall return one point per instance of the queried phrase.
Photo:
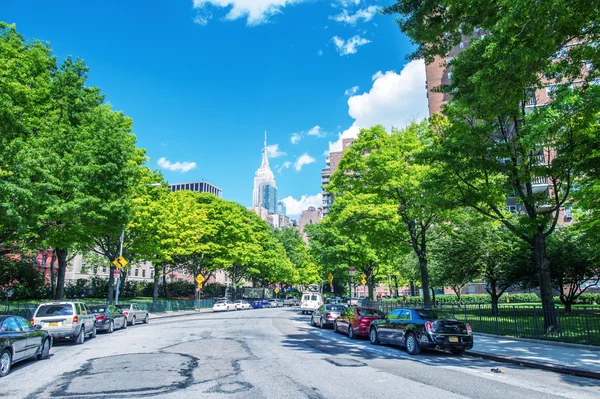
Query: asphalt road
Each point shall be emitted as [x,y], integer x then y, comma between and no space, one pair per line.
[268,353]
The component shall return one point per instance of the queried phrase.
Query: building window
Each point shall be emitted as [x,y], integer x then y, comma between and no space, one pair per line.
[461,45]
[44,257]
[512,208]
[136,272]
[104,270]
[129,272]
[152,274]
[589,66]
[550,90]
[482,37]
[449,75]
[144,273]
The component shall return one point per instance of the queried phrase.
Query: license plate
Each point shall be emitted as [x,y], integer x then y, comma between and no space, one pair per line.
[453,339]
[53,323]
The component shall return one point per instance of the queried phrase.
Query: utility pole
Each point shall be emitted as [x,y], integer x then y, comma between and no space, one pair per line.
[119,275]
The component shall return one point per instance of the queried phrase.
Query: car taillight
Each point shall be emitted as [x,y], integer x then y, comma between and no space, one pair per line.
[126,313]
[75,319]
[328,315]
[32,321]
[469,330]
[364,322]
[100,317]
[429,327]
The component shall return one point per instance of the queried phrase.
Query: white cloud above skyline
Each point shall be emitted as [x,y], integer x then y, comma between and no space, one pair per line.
[256,12]
[315,131]
[364,14]
[295,207]
[303,160]
[273,151]
[394,100]
[296,137]
[350,46]
[182,167]
[351,91]
[283,166]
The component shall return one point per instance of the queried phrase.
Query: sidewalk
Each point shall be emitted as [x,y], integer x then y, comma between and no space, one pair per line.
[577,360]
[178,313]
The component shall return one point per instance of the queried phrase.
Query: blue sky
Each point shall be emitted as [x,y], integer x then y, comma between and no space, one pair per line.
[204,79]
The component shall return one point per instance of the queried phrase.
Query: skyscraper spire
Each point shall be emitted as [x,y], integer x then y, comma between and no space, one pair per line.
[265,157]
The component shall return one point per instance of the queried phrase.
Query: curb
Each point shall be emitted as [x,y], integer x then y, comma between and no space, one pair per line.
[543,342]
[174,314]
[537,365]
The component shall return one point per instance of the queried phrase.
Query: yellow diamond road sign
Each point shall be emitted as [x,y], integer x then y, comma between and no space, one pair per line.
[277,290]
[330,278]
[120,262]
[199,280]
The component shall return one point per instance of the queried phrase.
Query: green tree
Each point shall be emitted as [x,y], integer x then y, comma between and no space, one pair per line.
[493,145]
[575,264]
[386,166]
[305,269]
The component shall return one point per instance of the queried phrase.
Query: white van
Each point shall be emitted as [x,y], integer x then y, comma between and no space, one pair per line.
[310,302]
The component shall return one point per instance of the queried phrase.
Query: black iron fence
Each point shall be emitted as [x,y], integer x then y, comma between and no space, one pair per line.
[580,326]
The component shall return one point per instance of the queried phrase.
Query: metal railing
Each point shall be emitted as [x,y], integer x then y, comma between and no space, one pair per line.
[579,326]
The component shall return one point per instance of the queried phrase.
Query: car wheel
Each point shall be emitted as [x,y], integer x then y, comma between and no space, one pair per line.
[412,346]
[312,321]
[133,321]
[111,327]
[457,351]
[45,351]
[351,333]
[373,337]
[146,319]
[335,328]
[5,362]
[321,325]
[80,338]
[124,326]
[94,332]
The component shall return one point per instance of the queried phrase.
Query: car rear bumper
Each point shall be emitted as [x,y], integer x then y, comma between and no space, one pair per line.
[443,342]
[62,332]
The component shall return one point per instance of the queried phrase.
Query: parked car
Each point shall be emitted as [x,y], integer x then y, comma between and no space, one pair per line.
[108,318]
[279,303]
[257,304]
[310,302]
[272,302]
[325,315]
[223,306]
[241,305]
[355,321]
[134,313]
[66,320]
[290,301]
[420,329]
[19,340]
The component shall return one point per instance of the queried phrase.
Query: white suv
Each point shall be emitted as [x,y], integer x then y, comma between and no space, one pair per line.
[310,302]
[66,319]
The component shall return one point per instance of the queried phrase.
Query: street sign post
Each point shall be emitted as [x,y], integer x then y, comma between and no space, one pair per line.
[199,279]
[117,274]
[330,278]
[363,279]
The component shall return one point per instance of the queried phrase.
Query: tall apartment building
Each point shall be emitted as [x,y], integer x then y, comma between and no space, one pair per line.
[310,216]
[199,186]
[438,73]
[332,162]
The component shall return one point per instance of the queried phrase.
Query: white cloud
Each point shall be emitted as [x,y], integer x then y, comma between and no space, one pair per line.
[346,3]
[320,52]
[296,137]
[202,18]
[274,152]
[365,14]
[351,91]
[285,165]
[350,46]
[294,207]
[316,131]
[256,12]
[304,159]
[177,166]
[394,100]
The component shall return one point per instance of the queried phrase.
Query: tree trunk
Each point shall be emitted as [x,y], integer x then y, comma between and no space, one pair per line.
[432,296]
[424,281]
[52,285]
[396,286]
[371,286]
[543,267]
[123,281]
[155,291]
[495,299]
[111,283]
[412,288]
[61,254]
[164,284]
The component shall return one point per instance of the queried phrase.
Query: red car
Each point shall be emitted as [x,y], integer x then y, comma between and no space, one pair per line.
[355,321]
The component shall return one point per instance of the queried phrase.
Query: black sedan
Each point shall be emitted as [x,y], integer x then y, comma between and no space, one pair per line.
[19,340]
[422,329]
[108,317]
[325,315]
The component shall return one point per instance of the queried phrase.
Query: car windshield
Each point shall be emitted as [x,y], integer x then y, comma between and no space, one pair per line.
[98,309]
[434,315]
[55,310]
[221,303]
[123,306]
[369,312]
[313,298]
[335,308]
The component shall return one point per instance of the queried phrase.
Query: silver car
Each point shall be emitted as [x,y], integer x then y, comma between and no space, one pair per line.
[134,313]
[66,320]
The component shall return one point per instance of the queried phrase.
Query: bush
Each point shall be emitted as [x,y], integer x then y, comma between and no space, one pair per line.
[214,290]
[473,298]
[181,289]
[23,278]
[521,298]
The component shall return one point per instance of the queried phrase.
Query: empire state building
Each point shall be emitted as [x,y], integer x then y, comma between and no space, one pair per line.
[265,189]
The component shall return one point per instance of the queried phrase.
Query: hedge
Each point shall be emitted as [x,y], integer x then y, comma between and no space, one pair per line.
[584,299]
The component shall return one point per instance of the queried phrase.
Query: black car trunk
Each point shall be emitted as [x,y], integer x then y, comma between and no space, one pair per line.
[449,327]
